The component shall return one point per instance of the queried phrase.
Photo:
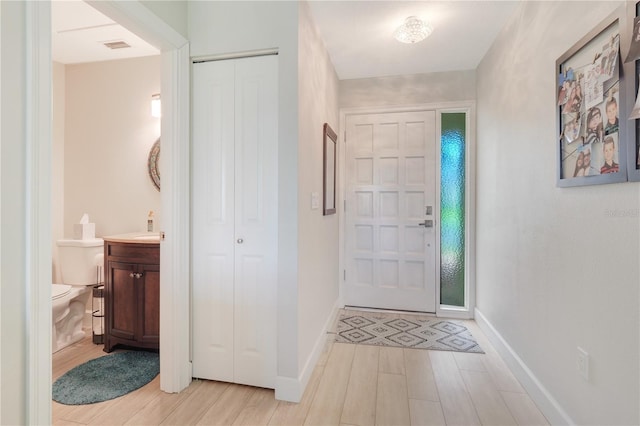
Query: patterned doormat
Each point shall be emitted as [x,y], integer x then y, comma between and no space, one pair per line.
[404,330]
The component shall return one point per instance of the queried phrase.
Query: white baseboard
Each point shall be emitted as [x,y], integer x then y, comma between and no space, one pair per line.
[291,389]
[552,410]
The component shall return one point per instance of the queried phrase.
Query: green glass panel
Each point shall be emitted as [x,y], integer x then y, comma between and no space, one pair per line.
[452,208]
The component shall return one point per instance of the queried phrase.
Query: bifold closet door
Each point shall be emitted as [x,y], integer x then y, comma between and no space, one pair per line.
[235,220]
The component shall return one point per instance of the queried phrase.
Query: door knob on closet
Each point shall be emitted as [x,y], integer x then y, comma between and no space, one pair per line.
[240,241]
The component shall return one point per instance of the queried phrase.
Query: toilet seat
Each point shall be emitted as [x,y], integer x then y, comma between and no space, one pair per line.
[60,290]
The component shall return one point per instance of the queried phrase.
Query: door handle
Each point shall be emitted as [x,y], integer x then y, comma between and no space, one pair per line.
[428,223]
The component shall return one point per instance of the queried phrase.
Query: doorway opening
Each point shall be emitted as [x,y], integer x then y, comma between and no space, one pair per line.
[175,368]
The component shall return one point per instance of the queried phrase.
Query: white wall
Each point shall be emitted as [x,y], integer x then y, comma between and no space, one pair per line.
[13,297]
[108,134]
[408,89]
[226,27]
[317,234]
[555,270]
[173,12]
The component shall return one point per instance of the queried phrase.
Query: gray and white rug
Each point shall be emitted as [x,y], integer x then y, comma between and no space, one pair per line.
[407,331]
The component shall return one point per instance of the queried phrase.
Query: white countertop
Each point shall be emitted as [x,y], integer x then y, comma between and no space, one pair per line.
[135,237]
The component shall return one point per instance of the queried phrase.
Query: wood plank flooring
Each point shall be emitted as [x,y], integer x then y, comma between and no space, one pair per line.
[351,385]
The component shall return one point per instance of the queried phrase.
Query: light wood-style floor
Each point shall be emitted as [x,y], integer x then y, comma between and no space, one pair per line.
[351,385]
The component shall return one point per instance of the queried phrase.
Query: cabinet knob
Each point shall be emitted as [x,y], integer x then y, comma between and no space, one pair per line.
[240,241]
[135,274]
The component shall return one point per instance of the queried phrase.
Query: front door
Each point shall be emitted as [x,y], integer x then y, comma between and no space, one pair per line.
[391,216]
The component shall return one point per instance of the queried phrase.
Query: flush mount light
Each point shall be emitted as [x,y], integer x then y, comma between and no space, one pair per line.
[413,30]
[156,108]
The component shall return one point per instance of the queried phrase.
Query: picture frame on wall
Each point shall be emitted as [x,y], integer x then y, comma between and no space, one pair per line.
[592,109]
[633,147]
[329,142]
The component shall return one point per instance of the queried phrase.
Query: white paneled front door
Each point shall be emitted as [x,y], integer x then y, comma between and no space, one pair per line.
[390,193]
[235,220]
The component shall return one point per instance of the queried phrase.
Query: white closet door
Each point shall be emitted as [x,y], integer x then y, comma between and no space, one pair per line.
[256,220]
[234,234]
[213,219]
[391,181]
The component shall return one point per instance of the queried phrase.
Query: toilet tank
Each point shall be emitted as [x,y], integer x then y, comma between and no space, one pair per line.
[79,259]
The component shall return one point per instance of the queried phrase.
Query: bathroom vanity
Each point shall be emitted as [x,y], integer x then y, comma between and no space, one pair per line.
[132,290]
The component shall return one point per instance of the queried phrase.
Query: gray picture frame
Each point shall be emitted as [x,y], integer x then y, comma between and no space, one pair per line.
[580,56]
[633,147]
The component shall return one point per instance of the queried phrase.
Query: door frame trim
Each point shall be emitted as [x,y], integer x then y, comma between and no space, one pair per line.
[470,160]
[175,367]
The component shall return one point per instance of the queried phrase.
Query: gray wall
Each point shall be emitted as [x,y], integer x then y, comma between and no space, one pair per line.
[408,89]
[318,234]
[555,269]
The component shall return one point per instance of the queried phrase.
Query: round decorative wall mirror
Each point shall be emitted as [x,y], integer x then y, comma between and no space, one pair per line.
[154,164]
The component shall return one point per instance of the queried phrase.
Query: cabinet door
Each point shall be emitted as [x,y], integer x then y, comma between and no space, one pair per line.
[149,303]
[124,299]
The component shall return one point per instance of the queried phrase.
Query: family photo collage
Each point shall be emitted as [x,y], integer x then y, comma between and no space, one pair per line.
[598,79]
[588,97]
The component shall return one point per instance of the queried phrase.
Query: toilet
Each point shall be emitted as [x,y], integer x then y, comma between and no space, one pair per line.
[80,263]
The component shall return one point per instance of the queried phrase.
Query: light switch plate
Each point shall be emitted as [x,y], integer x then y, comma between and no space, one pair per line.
[315,200]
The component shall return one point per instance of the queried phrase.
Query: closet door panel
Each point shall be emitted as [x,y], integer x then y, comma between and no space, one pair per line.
[213,219]
[235,219]
[256,220]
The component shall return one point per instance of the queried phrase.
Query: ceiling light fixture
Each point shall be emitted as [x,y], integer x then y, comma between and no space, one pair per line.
[413,30]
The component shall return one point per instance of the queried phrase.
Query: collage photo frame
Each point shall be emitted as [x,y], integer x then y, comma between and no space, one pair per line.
[592,109]
[633,58]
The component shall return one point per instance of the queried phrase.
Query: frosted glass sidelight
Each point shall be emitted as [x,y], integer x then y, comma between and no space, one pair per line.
[452,209]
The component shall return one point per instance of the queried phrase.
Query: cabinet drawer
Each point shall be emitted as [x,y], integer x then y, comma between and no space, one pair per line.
[145,253]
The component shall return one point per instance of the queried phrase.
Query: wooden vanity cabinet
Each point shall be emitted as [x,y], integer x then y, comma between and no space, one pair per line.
[132,295]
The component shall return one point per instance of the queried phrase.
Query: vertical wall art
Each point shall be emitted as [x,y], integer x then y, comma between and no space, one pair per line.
[592,108]
[633,57]
[329,139]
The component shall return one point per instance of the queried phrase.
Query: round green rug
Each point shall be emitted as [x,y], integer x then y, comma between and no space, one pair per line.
[106,377]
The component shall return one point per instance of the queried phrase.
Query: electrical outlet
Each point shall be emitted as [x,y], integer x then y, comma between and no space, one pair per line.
[583,363]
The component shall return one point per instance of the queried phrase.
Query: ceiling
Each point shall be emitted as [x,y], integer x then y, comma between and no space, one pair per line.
[358,35]
[80,31]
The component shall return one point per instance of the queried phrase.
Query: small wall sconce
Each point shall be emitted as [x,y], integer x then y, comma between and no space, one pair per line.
[156,108]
